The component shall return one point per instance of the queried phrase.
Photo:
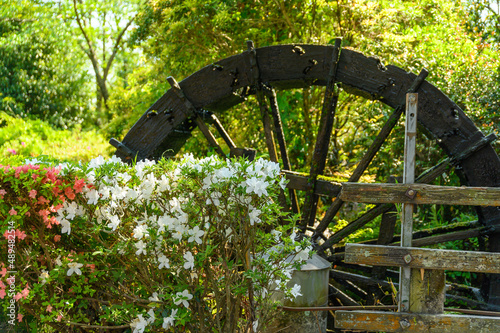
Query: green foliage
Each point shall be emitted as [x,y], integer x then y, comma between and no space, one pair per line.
[27,138]
[39,78]
[195,245]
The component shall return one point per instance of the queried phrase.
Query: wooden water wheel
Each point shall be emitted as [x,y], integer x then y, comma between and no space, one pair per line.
[166,125]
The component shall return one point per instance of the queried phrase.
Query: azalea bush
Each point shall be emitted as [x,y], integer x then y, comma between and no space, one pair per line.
[193,245]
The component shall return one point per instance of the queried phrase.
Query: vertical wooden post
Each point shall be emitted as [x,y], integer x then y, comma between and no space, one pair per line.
[407,209]
[421,291]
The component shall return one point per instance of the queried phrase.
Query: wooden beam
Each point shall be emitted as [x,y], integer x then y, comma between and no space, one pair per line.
[420,194]
[407,322]
[465,261]
[301,182]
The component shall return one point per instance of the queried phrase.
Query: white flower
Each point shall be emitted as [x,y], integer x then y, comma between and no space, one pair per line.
[114,222]
[207,181]
[132,194]
[214,199]
[189,264]
[272,168]
[183,298]
[58,261]
[288,273]
[229,233]
[139,324]
[195,234]
[140,231]
[163,184]
[118,192]
[169,321]
[302,255]
[254,215]
[164,262]
[125,177]
[115,159]
[104,192]
[92,197]
[276,234]
[224,173]
[152,317]
[96,162]
[255,325]
[179,230]
[44,276]
[141,247]
[154,297]
[66,227]
[165,222]
[71,209]
[74,267]
[282,183]
[257,186]
[295,291]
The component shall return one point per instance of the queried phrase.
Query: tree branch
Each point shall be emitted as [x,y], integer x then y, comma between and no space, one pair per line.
[116,46]
[91,53]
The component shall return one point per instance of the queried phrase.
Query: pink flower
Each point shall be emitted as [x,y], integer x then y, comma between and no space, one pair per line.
[20,234]
[69,193]
[49,308]
[2,293]
[42,200]
[2,193]
[23,144]
[79,184]
[57,238]
[32,194]
[18,296]
[25,292]
[3,271]
[59,318]
[20,317]
[12,151]
[12,212]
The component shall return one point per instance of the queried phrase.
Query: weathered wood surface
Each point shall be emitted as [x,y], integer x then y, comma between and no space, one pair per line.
[379,321]
[320,153]
[424,194]
[427,291]
[465,261]
[301,182]
[407,210]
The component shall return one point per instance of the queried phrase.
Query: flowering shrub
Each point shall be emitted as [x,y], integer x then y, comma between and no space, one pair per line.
[195,245]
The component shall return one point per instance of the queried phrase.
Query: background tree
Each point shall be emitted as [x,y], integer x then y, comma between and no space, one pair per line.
[38,79]
[100,29]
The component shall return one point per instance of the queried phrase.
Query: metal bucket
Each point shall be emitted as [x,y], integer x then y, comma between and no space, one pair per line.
[313,279]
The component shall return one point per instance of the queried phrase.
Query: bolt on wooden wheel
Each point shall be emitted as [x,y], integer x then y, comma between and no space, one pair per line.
[263,73]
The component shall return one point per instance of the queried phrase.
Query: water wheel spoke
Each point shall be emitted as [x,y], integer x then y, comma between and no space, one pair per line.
[330,100]
[372,150]
[222,131]
[192,112]
[338,296]
[280,135]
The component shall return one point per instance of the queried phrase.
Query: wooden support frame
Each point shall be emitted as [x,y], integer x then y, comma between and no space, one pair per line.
[414,257]
[407,322]
[407,209]
[420,194]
